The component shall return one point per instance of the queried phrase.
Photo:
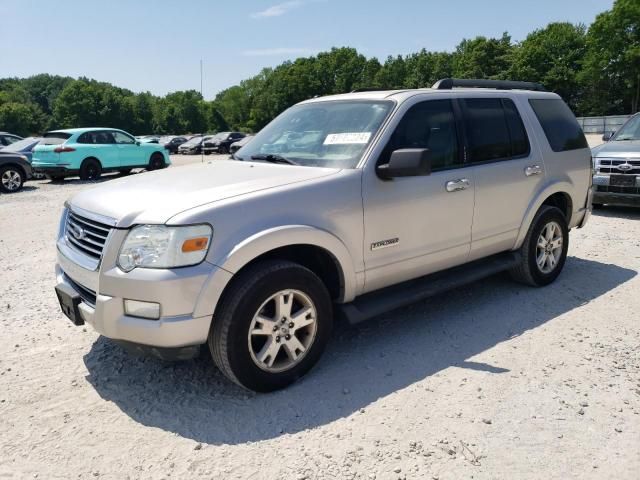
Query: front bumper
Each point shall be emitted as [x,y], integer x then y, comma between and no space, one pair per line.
[183,295]
[605,193]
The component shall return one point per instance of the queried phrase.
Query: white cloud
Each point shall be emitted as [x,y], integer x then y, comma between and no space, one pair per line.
[282,8]
[266,52]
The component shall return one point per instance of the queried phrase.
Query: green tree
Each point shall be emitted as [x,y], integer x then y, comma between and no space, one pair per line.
[612,63]
[552,56]
[483,58]
[23,119]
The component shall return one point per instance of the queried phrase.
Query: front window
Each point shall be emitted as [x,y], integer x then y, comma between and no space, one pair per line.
[324,134]
[630,130]
[122,138]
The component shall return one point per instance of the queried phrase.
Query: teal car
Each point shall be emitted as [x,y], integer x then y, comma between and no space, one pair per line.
[89,152]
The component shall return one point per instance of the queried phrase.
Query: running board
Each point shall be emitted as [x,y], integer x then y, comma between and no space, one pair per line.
[396,296]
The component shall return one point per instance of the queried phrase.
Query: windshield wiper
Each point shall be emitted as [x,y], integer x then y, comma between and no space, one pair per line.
[273,159]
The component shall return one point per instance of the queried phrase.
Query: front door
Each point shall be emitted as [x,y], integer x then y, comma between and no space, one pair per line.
[417,225]
[129,151]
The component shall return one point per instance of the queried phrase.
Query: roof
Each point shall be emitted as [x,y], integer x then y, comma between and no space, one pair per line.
[73,131]
[402,95]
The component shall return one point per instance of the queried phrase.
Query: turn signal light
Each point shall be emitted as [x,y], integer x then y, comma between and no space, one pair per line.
[195,244]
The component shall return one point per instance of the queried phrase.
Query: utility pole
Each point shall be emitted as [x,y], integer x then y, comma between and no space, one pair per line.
[202,95]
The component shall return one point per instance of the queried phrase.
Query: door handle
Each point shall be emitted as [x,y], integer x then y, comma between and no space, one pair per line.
[457,185]
[532,170]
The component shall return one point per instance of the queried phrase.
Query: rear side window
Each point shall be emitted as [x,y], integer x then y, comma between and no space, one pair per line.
[487,130]
[559,124]
[96,138]
[54,138]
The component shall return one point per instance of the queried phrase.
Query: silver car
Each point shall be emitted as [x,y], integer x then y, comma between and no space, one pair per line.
[254,256]
[617,167]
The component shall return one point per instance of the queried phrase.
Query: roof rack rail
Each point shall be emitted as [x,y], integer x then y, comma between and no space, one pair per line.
[449,83]
[371,89]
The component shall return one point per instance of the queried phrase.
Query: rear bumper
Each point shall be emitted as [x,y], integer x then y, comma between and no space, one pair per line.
[54,170]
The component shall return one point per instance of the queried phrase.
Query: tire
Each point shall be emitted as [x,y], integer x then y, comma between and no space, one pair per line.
[11,179]
[156,162]
[238,354]
[90,169]
[223,150]
[529,270]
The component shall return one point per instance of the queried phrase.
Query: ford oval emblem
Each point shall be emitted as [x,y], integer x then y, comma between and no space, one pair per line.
[625,167]
[77,232]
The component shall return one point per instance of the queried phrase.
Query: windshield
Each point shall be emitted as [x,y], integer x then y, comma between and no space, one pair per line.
[325,134]
[54,138]
[630,130]
[21,145]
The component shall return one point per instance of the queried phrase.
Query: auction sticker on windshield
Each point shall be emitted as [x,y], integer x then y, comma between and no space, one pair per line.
[347,138]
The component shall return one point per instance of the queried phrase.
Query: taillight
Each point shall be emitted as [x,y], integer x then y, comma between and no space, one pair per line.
[64,149]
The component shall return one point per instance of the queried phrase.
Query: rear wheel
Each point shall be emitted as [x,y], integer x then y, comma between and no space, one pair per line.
[223,150]
[271,326]
[544,249]
[11,179]
[156,162]
[90,169]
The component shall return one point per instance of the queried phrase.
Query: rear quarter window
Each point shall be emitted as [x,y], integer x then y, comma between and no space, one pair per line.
[559,124]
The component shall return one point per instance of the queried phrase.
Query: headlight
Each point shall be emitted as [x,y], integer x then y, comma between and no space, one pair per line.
[160,246]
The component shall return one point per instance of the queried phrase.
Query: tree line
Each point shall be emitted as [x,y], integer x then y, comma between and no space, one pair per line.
[595,69]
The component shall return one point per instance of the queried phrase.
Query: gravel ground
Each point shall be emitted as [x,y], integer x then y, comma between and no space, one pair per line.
[494,380]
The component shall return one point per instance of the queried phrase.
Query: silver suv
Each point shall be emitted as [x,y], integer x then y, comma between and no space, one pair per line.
[617,166]
[349,205]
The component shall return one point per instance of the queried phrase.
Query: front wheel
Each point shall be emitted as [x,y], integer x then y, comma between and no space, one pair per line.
[271,326]
[11,179]
[544,250]
[156,162]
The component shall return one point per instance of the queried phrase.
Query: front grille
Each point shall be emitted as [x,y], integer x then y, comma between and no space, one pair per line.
[610,189]
[609,165]
[87,295]
[85,235]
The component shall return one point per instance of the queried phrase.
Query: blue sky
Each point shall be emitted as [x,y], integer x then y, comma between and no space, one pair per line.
[157,45]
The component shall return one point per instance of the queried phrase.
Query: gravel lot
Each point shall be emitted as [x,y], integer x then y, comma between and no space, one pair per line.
[495,380]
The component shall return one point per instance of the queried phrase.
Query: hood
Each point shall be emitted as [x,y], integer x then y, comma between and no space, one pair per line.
[155,197]
[622,149]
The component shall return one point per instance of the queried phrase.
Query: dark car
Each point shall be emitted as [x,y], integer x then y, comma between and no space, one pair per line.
[172,144]
[25,147]
[193,145]
[8,138]
[235,146]
[221,142]
[14,171]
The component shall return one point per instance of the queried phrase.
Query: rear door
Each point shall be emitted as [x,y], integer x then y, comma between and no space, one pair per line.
[130,153]
[507,171]
[101,145]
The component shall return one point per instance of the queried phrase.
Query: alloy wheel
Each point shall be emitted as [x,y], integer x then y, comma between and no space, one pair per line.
[549,247]
[11,180]
[282,331]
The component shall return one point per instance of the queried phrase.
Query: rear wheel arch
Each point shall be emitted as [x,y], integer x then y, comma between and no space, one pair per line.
[554,195]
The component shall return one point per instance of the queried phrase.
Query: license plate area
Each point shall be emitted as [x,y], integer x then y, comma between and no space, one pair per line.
[622,180]
[69,301]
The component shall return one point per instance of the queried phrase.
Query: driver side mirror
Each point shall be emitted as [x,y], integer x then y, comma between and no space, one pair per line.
[406,162]
[137,143]
[607,136]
